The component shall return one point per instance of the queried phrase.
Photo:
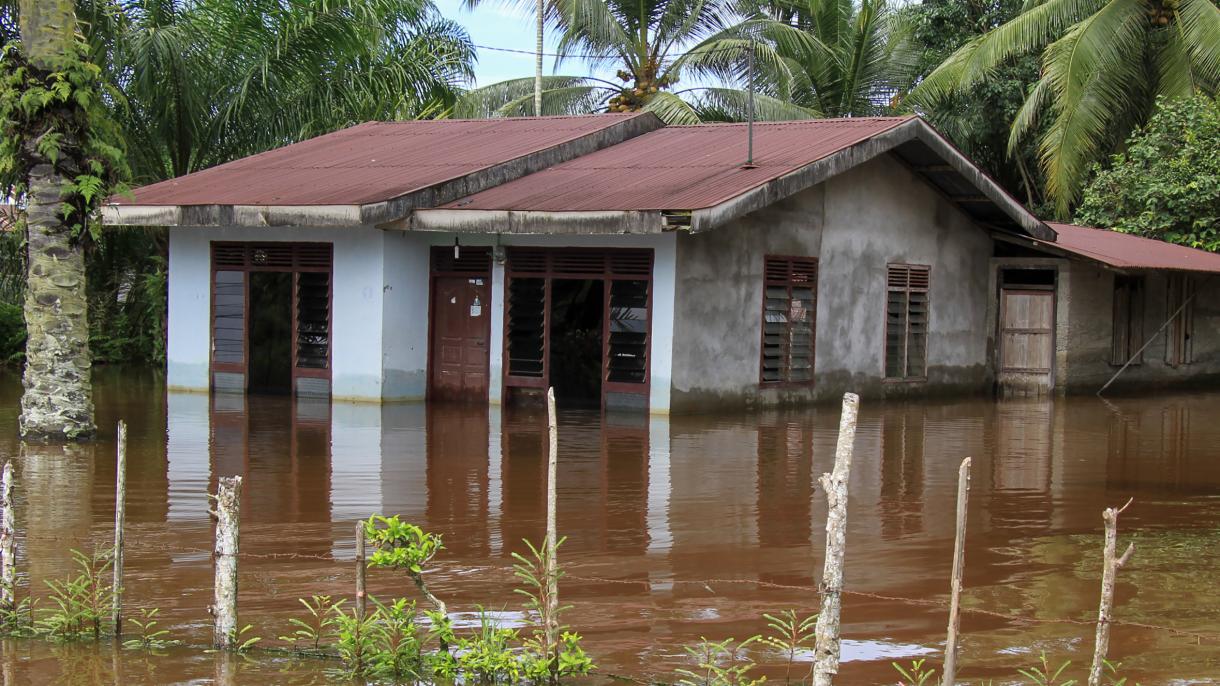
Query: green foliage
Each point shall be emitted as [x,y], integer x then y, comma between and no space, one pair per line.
[19,622]
[1166,183]
[399,655]
[82,603]
[12,334]
[915,674]
[357,640]
[1102,66]
[150,637]
[1045,675]
[722,663]
[310,631]
[789,636]
[243,641]
[126,276]
[60,115]
[400,545]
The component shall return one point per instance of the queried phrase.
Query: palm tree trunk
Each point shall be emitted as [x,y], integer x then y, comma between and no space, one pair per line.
[58,399]
[538,58]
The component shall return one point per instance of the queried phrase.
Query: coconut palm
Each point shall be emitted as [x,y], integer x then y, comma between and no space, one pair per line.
[1104,62]
[862,58]
[655,45]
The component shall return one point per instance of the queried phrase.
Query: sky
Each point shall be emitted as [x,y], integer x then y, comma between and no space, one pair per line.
[496,25]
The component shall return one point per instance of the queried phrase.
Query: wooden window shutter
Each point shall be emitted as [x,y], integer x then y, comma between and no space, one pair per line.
[907,321]
[789,319]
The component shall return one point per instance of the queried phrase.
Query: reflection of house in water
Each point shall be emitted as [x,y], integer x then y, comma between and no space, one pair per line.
[1022,465]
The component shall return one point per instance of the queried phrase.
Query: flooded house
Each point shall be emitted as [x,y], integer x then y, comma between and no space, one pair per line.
[631,264]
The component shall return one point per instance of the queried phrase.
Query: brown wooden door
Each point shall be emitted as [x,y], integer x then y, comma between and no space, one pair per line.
[1027,339]
[460,316]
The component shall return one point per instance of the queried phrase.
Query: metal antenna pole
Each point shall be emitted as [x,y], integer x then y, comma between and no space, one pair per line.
[750,107]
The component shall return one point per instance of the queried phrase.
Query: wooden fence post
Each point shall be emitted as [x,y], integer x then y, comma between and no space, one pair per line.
[959,565]
[826,638]
[1111,563]
[361,602]
[8,541]
[120,519]
[552,557]
[224,605]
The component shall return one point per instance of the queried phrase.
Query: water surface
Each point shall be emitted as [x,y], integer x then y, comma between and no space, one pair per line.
[676,528]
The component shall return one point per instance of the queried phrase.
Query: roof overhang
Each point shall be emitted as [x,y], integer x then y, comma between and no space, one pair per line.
[383,213]
[913,142]
[909,141]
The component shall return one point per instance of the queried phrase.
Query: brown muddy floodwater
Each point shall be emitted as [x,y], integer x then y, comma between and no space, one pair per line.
[676,528]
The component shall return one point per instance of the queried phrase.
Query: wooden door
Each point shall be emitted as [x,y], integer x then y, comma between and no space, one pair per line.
[1027,339]
[460,330]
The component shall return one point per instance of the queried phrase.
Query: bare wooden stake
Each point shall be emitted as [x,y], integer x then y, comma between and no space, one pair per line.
[224,604]
[959,565]
[8,541]
[1111,563]
[552,556]
[120,519]
[361,568]
[826,639]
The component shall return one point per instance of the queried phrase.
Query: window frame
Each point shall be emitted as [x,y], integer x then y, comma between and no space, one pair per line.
[906,339]
[788,283]
[1134,289]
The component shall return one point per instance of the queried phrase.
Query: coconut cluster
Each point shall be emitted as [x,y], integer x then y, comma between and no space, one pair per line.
[1161,13]
[632,99]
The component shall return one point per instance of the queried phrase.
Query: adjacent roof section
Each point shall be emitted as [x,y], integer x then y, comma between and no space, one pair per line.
[678,167]
[382,168]
[1124,251]
[702,172]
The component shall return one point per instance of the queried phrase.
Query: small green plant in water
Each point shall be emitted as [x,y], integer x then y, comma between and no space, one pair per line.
[404,546]
[82,604]
[790,636]
[399,656]
[357,641]
[1045,675]
[149,637]
[19,622]
[722,663]
[242,642]
[487,656]
[915,674]
[315,626]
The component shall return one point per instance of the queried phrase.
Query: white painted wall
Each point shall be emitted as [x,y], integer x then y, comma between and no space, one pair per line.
[404,339]
[356,352]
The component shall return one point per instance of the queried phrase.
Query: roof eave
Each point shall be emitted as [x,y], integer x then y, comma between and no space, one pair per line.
[381,212]
[530,222]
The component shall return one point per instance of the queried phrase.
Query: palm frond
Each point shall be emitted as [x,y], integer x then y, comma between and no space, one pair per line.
[730,104]
[672,109]
[515,98]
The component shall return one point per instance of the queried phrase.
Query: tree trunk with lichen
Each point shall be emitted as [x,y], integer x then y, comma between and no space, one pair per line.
[58,399]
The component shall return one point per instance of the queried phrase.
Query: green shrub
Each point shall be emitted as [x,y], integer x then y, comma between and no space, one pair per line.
[12,334]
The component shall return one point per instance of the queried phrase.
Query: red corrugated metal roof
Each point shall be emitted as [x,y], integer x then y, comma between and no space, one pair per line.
[369,163]
[678,167]
[1124,251]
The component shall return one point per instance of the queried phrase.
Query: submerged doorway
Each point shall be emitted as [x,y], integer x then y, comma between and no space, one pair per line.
[576,346]
[270,361]
[271,323]
[579,319]
[1027,331]
[460,324]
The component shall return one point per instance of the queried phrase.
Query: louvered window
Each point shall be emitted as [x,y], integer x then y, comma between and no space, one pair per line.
[788,320]
[628,328]
[526,327]
[313,320]
[229,317]
[906,322]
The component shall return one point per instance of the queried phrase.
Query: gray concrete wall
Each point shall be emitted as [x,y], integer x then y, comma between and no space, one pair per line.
[856,224]
[1091,310]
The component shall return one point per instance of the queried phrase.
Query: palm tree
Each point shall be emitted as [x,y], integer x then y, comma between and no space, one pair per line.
[1104,63]
[58,399]
[212,80]
[863,56]
[655,44]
